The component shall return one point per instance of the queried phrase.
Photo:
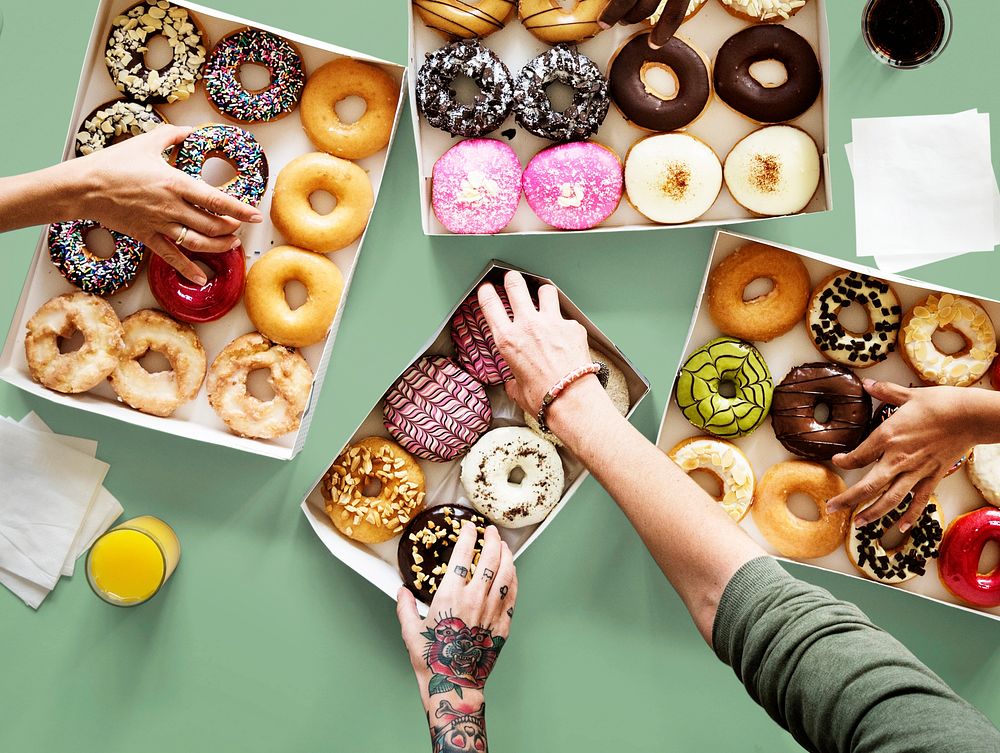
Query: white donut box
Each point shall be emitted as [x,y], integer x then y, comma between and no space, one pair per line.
[377,563]
[956,494]
[719,126]
[282,140]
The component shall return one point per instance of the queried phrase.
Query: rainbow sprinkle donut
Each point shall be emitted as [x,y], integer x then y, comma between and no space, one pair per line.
[238,147]
[573,186]
[92,274]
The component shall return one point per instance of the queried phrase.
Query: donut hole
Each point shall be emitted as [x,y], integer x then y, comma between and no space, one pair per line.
[217,171]
[154,362]
[821,413]
[989,558]
[758,289]
[322,202]
[351,109]
[660,80]
[727,388]
[72,343]
[296,294]
[516,476]
[372,487]
[769,73]
[707,481]
[99,242]
[853,317]
[254,77]
[206,270]
[893,539]
[259,385]
[159,54]
[560,96]
[949,342]
[803,506]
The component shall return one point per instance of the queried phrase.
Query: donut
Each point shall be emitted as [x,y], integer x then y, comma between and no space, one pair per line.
[554,23]
[476,186]
[791,535]
[236,146]
[427,543]
[642,104]
[984,471]
[664,24]
[268,308]
[474,344]
[950,313]
[288,375]
[901,563]
[459,18]
[438,102]
[692,10]
[773,171]
[160,393]
[672,177]
[84,269]
[885,410]
[378,462]
[763,10]
[436,410]
[801,392]
[194,303]
[112,122]
[486,472]
[533,108]
[961,551]
[763,101]
[128,40]
[573,186]
[303,226]
[336,81]
[727,463]
[833,339]
[225,90]
[766,316]
[61,317]
[725,361]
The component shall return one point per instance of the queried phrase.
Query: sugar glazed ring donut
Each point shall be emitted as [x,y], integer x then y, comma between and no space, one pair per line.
[228,95]
[727,463]
[909,559]
[288,374]
[268,308]
[984,471]
[487,468]
[84,269]
[302,225]
[791,535]
[112,122]
[953,314]
[194,303]
[474,344]
[427,544]
[160,393]
[234,145]
[763,10]
[476,186]
[126,48]
[573,186]
[885,410]
[458,18]
[961,551]
[836,342]
[372,520]
[61,317]
[335,81]
[672,178]
[766,316]
[556,24]
[773,171]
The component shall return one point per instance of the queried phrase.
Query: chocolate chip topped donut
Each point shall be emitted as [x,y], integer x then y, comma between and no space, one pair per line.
[533,108]
[833,339]
[901,563]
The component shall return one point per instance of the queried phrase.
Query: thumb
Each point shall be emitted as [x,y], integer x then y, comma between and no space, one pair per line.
[887,392]
[168,135]
[406,611]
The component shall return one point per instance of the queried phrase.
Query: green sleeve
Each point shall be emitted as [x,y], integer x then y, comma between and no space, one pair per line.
[834,680]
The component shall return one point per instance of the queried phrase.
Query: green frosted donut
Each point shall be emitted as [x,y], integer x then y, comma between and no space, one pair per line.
[722,360]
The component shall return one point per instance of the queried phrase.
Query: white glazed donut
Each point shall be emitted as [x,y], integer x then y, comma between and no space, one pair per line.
[983,468]
[486,474]
[948,312]
[727,463]
[672,177]
[773,171]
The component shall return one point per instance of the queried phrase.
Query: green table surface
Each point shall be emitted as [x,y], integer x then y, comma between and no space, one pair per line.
[263,641]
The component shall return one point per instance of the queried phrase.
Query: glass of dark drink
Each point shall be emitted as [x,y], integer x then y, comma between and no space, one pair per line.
[906,34]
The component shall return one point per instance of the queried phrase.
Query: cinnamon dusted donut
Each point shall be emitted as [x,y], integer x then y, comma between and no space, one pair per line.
[727,463]
[112,122]
[953,314]
[773,171]
[427,543]
[69,253]
[459,18]
[554,23]
[236,146]
[833,339]
[672,178]
[961,551]
[900,563]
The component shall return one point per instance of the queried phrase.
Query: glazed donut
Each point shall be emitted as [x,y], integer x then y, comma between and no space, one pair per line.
[773,171]
[672,178]
[268,308]
[727,463]
[761,101]
[426,545]
[487,468]
[294,216]
[721,361]
[769,315]
[901,563]
[234,145]
[373,460]
[553,23]
[336,81]
[836,342]
[961,551]
[193,303]
[474,344]
[112,122]
[763,10]
[533,108]
[128,40]
[476,186]
[288,374]
[573,186]
[984,471]
[952,314]
[61,317]
[791,535]
[87,271]
[231,98]
[160,393]
[458,18]
[438,102]
[885,410]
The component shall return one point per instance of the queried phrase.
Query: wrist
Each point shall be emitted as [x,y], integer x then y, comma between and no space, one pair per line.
[581,404]
[979,415]
[76,189]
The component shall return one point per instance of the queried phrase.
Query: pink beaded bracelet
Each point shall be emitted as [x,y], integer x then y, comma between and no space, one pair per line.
[559,387]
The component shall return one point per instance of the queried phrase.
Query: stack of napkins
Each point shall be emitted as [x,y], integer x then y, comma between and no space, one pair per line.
[52,505]
[924,188]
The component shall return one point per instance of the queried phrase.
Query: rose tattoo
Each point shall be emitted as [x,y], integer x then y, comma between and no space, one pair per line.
[460,656]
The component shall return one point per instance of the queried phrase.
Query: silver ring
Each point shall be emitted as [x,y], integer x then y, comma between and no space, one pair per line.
[181,236]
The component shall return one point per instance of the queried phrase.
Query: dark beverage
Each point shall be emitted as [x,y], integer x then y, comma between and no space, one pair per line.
[906,33]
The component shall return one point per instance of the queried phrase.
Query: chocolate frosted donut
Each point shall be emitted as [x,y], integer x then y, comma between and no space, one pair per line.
[767,104]
[427,543]
[533,108]
[794,405]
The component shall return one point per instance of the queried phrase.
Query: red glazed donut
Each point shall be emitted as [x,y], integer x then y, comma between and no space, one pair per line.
[961,549]
[192,303]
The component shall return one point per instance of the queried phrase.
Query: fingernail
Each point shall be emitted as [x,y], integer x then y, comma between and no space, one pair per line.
[236,245]
[257,217]
[904,527]
[868,382]
[200,279]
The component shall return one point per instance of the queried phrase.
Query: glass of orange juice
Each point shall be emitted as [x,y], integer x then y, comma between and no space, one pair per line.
[129,564]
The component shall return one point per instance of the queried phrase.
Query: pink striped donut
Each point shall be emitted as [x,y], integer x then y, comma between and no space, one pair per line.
[477,352]
[436,410]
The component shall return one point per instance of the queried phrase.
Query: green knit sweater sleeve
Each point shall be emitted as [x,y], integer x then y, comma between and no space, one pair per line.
[834,680]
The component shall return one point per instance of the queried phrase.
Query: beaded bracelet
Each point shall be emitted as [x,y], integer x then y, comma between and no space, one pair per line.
[559,387]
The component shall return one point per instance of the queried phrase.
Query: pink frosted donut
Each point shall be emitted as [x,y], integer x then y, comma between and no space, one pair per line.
[474,344]
[476,186]
[436,410]
[573,186]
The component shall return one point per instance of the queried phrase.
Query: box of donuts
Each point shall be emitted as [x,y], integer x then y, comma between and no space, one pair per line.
[446,444]
[769,389]
[106,326]
[533,116]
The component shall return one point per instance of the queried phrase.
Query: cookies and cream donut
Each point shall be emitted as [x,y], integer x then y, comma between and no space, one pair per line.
[193,303]
[474,344]
[950,313]
[573,186]
[554,23]
[773,171]
[236,146]
[905,561]
[983,467]
[459,18]
[102,276]
[727,463]
[112,122]
[427,543]
[763,10]
[961,550]
[476,186]
[833,339]
[486,474]
[672,178]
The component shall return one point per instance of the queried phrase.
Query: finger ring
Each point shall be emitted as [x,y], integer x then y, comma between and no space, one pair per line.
[181,236]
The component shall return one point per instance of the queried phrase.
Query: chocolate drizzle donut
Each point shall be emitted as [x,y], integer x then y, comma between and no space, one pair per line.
[835,341]
[533,108]
[909,559]
[427,543]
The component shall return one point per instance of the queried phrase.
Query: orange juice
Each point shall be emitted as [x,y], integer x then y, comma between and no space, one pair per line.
[130,563]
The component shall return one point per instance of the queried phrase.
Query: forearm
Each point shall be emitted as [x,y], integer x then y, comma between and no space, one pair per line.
[50,195]
[456,723]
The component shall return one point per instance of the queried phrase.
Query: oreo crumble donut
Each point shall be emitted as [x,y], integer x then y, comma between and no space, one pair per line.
[112,122]
[901,563]
[836,342]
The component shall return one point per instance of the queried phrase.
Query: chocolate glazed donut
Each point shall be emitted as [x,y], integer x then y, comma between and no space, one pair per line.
[745,94]
[794,404]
